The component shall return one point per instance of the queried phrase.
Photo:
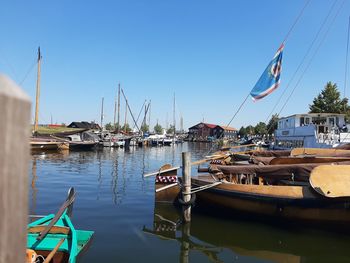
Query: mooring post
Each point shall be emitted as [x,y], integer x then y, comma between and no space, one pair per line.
[186,181]
[185,243]
[14,158]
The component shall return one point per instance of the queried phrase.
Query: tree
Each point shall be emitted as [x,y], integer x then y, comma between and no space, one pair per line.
[109,126]
[144,128]
[272,125]
[329,101]
[171,129]
[126,128]
[260,128]
[158,129]
[250,130]
[242,132]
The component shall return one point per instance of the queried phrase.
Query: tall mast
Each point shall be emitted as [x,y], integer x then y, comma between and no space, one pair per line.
[37,93]
[115,112]
[346,59]
[118,123]
[174,117]
[149,116]
[126,112]
[102,115]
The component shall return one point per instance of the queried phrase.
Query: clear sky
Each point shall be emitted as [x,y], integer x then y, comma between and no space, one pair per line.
[209,53]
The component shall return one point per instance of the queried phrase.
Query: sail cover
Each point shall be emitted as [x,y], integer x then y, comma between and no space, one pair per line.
[270,78]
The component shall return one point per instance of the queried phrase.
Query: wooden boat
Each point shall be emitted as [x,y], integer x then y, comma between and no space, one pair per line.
[281,191]
[37,144]
[54,237]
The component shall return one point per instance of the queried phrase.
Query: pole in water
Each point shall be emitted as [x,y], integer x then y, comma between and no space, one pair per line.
[186,181]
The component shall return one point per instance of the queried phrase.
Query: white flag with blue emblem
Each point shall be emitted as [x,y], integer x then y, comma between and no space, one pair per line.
[270,79]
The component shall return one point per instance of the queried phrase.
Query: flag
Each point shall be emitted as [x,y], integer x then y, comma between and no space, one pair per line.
[270,79]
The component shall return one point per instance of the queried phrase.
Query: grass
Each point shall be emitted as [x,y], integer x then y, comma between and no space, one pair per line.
[52,130]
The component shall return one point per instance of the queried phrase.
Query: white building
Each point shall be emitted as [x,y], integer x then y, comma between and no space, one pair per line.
[311,130]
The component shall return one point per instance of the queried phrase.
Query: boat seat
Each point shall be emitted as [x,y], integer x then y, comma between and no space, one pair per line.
[54,230]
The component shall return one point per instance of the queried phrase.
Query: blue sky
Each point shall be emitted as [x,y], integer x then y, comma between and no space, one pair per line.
[209,53]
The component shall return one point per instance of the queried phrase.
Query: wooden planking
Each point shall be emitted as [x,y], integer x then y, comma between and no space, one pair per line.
[331,180]
[54,230]
[313,159]
[276,191]
[14,151]
[162,171]
[319,152]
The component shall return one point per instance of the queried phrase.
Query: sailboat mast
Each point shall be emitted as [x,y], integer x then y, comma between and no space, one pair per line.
[115,112]
[37,93]
[149,116]
[102,115]
[346,59]
[118,123]
[126,112]
[174,118]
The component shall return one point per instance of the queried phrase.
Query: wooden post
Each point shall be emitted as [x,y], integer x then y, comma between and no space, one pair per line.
[14,152]
[185,243]
[186,181]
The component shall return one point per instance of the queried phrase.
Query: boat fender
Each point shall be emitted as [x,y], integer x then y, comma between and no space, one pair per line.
[30,256]
[189,203]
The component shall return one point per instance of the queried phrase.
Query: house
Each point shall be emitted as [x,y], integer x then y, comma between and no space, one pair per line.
[205,131]
[84,125]
[225,132]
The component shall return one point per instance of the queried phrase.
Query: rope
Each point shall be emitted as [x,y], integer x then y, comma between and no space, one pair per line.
[301,63]
[313,56]
[283,42]
[295,22]
[29,71]
[204,187]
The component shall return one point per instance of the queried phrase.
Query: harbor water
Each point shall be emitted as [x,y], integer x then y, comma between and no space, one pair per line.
[114,200]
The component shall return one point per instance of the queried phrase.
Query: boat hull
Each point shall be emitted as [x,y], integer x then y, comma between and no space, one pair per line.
[74,242]
[287,202]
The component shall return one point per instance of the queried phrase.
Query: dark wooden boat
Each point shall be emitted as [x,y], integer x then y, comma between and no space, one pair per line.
[282,191]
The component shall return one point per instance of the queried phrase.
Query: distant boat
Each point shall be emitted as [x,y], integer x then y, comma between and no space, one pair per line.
[83,140]
[38,144]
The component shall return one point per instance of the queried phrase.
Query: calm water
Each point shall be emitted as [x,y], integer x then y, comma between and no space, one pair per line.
[115,201]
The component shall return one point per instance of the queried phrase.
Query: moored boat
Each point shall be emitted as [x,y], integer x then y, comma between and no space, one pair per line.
[53,238]
[273,193]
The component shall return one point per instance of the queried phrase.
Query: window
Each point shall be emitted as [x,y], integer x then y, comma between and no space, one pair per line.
[302,121]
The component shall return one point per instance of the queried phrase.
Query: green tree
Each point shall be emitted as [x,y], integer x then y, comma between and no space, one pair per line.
[250,130]
[260,128]
[170,130]
[109,126]
[158,129]
[117,127]
[242,132]
[126,128]
[329,101]
[144,128]
[272,125]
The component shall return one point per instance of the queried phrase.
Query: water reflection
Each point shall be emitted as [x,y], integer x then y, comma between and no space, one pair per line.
[240,241]
[115,201]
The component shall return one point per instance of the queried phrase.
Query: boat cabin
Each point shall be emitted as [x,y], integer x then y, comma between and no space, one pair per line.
[315,130]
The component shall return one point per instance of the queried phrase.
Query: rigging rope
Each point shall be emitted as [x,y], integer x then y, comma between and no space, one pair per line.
[29,71]
[300,65]
[313,56]
[296,20]
[285,39]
